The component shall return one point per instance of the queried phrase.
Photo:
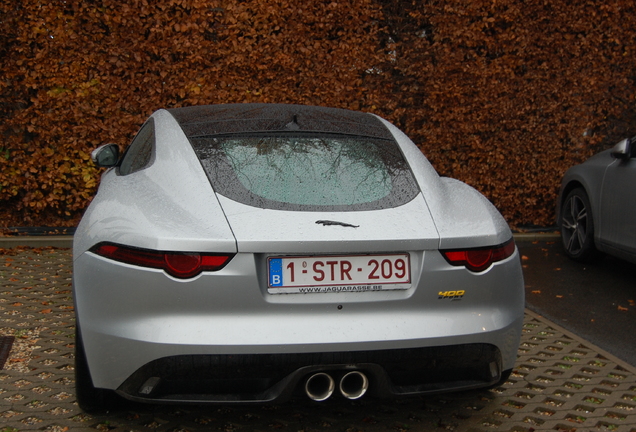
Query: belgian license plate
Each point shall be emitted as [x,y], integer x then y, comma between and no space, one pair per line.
[345,273]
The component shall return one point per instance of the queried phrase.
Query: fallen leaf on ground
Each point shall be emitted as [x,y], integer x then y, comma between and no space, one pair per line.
[622,309]
[536,292]
[559,296]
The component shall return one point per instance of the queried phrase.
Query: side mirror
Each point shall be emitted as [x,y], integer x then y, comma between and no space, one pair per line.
[106,156]
[622,150]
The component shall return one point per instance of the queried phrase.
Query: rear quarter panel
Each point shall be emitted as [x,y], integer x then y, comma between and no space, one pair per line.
[463,216]
[169,205]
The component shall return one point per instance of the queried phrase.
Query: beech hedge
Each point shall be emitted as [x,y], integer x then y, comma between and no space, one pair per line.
[504,95]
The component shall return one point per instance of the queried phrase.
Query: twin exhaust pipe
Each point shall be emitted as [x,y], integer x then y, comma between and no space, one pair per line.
[320,386]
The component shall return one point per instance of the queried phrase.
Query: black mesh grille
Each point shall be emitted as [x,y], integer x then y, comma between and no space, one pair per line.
[249,377]
[210,120]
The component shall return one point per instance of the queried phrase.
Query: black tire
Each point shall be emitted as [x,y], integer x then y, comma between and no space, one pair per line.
[89,398]
[577,226]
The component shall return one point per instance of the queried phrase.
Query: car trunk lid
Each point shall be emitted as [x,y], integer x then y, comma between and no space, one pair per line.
[404,228]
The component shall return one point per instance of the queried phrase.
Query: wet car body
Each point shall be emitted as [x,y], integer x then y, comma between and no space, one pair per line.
[596,207]
[414,289]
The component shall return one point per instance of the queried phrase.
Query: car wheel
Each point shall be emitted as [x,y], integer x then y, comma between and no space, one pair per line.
[89,398]
[577,226]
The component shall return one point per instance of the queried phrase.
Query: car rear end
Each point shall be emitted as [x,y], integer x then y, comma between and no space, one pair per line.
[337,283]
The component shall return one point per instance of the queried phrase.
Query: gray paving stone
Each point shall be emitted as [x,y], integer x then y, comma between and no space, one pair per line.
[560,382]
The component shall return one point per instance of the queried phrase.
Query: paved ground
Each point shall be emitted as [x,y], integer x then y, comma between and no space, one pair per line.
[560,382]
[596,301]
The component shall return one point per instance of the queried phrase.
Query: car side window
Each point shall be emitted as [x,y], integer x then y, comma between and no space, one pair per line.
[140,151]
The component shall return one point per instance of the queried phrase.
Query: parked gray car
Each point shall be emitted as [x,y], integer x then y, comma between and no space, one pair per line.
[597,205]
[248,252]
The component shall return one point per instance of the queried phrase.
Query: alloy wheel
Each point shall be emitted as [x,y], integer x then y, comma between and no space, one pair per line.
[574,224]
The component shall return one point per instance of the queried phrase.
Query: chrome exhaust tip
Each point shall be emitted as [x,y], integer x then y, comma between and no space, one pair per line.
[354,385]
[320,386]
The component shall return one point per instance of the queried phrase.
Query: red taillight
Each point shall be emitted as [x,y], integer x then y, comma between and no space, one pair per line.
[181,265]
[479,259]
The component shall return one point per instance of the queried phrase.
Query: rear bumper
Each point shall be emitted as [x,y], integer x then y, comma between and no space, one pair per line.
[262,378]
[133,319]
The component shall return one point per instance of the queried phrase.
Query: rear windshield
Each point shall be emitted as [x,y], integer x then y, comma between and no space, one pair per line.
[300,172]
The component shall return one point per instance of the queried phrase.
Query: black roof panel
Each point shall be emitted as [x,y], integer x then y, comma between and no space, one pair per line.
[210,120]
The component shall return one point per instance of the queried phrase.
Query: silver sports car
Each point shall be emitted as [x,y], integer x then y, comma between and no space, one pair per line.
[249,252]
[597,205]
